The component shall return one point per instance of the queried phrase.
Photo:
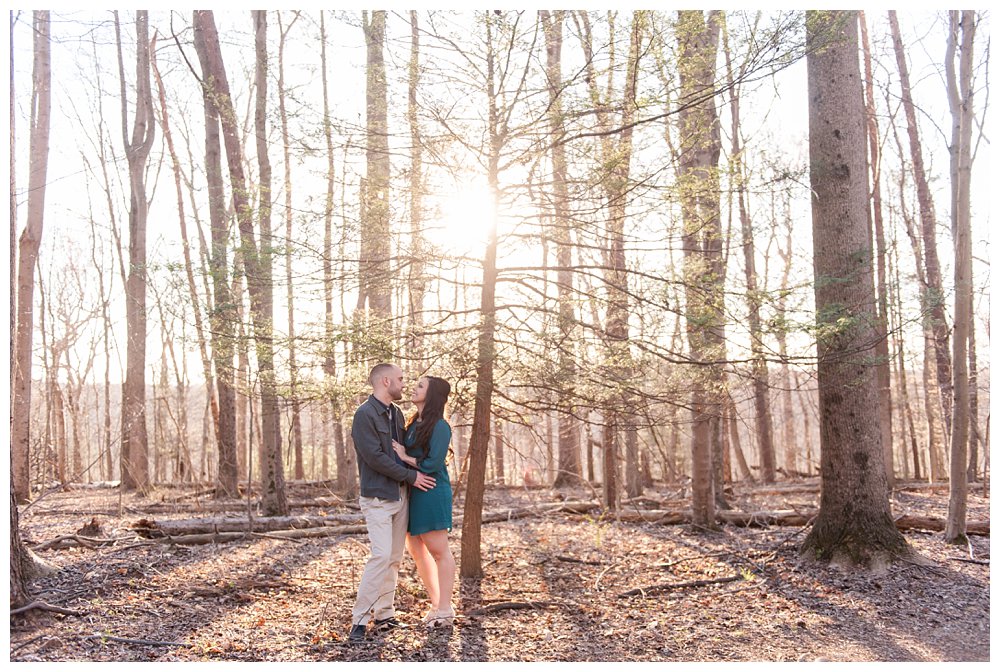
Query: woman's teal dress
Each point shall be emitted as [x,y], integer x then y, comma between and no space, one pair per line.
[431,509]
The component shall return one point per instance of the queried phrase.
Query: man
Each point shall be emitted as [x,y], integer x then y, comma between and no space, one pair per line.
[384,497]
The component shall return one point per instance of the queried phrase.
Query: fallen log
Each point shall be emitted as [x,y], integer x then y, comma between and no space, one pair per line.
[926,524]
[174,528]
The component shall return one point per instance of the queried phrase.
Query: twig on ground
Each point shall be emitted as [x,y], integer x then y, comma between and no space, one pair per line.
[501,606]
[45,606]
[566,558]
[970,560]
[24,644]
[265,535]
[608,569]
[127,640]
[672,586]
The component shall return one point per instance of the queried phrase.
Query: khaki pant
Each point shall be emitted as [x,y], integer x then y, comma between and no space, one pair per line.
[386,521]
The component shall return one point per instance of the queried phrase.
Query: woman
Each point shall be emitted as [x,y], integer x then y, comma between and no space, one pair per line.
[425,447]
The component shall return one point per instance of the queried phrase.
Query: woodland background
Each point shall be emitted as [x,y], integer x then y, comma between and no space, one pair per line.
[596,224]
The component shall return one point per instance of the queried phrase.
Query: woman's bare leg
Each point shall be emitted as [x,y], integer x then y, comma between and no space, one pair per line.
[436,543]
[426,568]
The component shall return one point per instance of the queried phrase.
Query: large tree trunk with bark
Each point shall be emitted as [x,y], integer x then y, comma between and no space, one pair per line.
[28,245]
[960,97]
[375,288]
[471,562]
[135,442]
[854,525]
[256,262]
[704,275]
[222,315]
[569,470]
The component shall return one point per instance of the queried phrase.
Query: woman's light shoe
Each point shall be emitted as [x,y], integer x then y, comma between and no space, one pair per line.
[440,619]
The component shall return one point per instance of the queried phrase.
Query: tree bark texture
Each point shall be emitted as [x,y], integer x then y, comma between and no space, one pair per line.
[704,275]
[135,442]
[854,525]
[222,316]
[569,471]
[376,273]
[28,245]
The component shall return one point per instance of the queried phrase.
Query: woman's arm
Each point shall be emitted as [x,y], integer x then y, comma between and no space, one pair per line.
[437,450]
[401,451]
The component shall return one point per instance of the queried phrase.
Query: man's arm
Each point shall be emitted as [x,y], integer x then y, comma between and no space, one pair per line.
[368,446]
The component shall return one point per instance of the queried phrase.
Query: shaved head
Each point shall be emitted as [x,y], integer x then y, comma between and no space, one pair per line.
[378,372]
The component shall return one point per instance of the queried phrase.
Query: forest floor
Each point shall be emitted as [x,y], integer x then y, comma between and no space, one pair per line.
[554,590]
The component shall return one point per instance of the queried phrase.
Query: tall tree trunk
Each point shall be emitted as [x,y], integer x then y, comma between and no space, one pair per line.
[762,401]
[698,41]
[569,470]
[787,411]
[928,221]
[13,215]
[376,273]
[206,362]
[932,405]
[904,392]
[222,316]
[31,238]
[135,458]
[960,93]
[471,562]
[417,281]
[882,344]
[293,387]
[854,524]
[256,262]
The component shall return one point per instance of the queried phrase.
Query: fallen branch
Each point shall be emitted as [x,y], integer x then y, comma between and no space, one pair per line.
[45,606]
[661,587]
[501,606]
[73,540]
[971,560]
[126,640]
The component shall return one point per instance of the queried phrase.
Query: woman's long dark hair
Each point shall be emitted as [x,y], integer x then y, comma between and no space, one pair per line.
[438,390]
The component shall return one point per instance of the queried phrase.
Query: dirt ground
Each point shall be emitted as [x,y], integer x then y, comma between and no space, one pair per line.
[554,590]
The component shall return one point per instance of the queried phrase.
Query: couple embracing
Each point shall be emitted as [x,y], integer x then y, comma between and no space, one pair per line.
[405,497]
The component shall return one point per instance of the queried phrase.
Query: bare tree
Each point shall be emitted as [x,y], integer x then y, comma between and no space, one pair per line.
[960,100]
[256,260]
[374,260]
[293,388]
[932,264]
[222,316]
[135,443]
[704,274]
[31,238]
[762,401]
[854,524]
